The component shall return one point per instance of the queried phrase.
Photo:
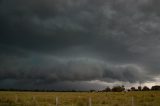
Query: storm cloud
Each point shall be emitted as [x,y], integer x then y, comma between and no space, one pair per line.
[63,43]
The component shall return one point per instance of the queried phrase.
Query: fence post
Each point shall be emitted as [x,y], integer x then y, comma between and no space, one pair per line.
[56,101]
[33,98]
[16,99]
[132,101]
[35,101]
[90,101]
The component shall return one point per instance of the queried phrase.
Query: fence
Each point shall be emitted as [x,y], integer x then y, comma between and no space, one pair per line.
[80,98]
[57,102]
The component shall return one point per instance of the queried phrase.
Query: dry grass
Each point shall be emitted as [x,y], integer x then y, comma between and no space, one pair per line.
[79,98]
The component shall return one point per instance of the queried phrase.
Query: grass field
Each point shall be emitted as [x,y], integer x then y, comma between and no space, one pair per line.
[151,98]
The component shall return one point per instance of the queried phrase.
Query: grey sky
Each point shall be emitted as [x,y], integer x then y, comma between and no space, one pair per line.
[65,42]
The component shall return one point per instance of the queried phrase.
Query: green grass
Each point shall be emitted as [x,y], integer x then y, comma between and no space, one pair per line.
[151,98]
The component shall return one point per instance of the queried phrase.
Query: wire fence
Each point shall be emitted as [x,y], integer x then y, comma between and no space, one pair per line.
[80,99]
[58,102]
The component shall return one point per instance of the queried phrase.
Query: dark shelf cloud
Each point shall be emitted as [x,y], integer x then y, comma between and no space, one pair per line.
[66,42]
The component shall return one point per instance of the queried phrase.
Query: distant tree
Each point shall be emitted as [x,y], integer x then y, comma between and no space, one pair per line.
[92,90]
[133,89]
[108,89]
[73,90]
[128,90]
[118,89]
[155,88]
[145,88]
[123,88]
[139,88]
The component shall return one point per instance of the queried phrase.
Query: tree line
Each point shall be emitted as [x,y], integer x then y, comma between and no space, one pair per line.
[122,88]
[107,89]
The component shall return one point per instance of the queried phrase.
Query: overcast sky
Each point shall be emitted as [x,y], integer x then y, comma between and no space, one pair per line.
[79,44]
